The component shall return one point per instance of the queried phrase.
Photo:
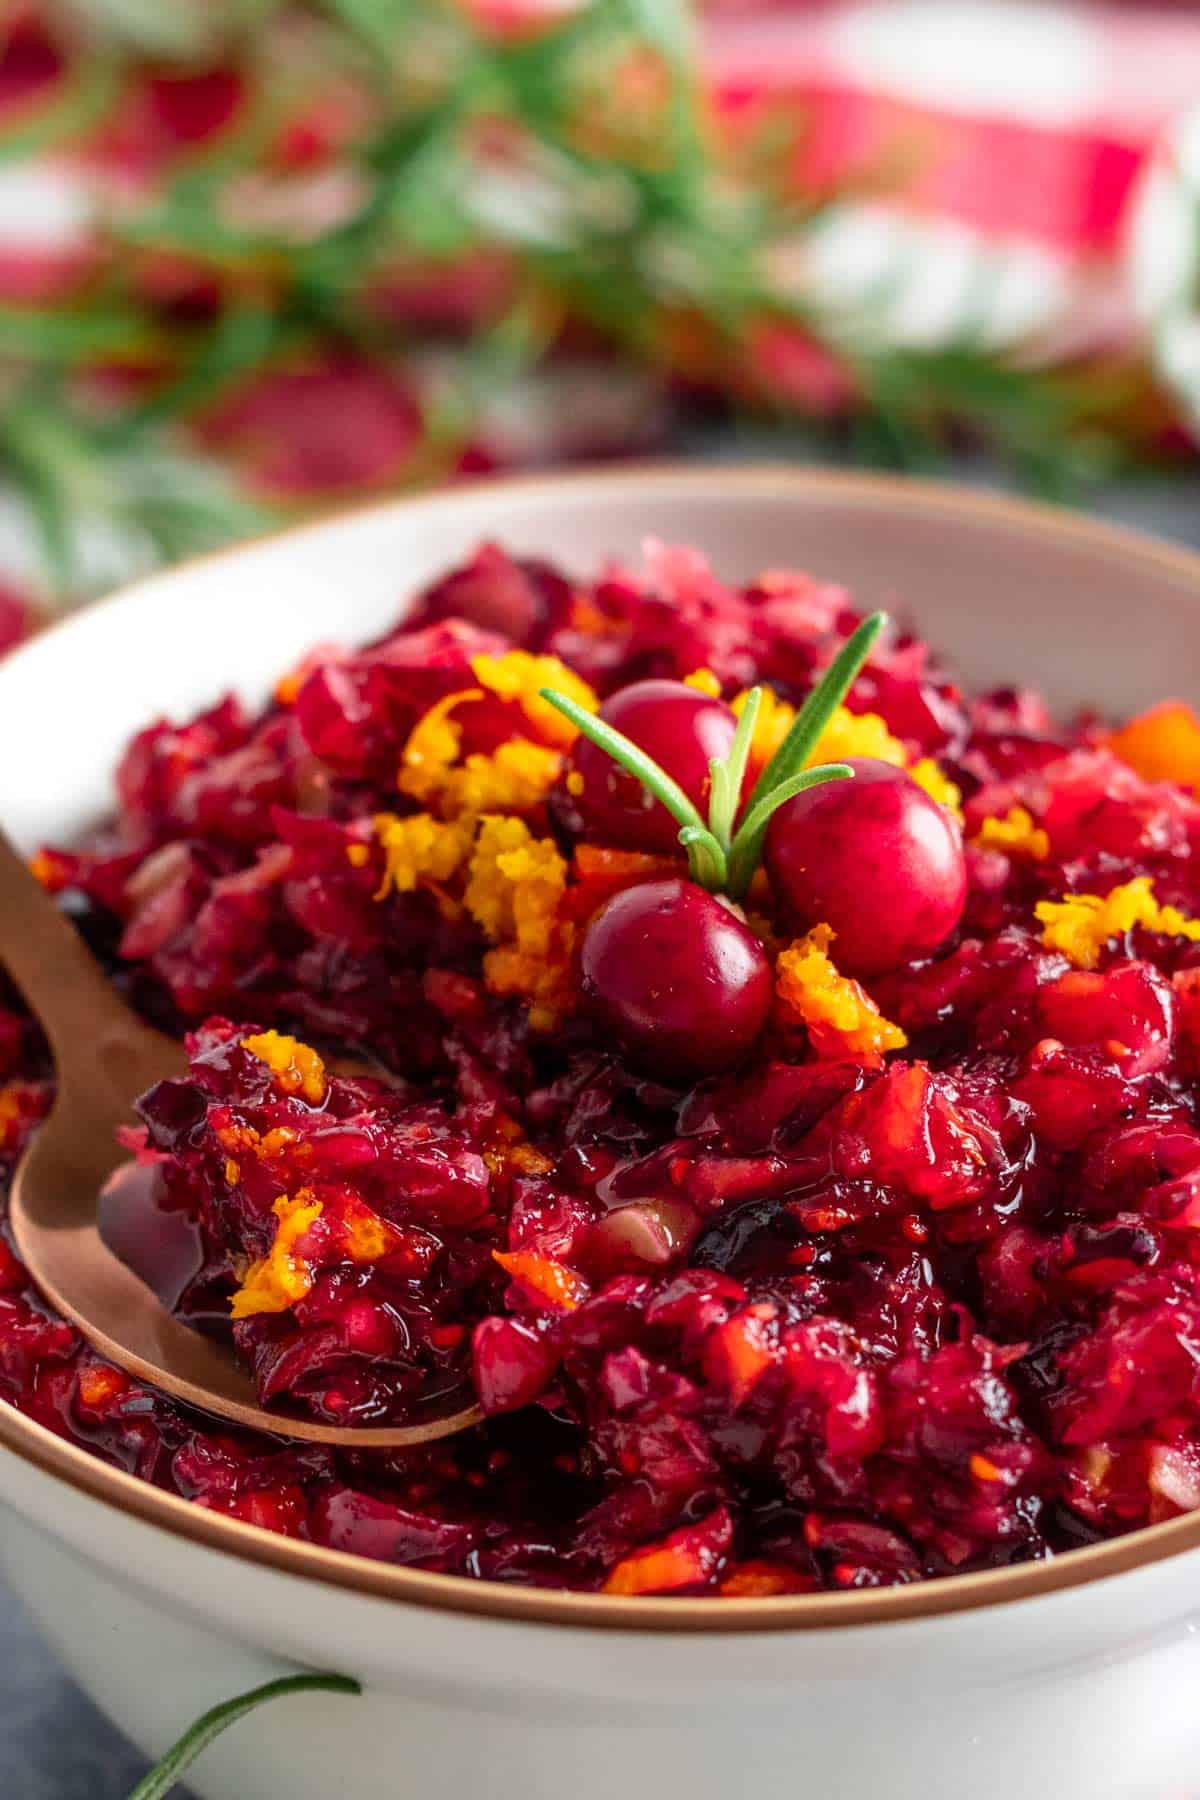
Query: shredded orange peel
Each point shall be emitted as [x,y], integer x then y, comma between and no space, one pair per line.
[840,1015]
[10,1118]
[100,1385]
[1015,834]
[515,883]
[516,776]
[1079,925]
[519,773]
[544,1279]
[519,676]
[278,1280]
[509,1151]
[365,1237]
[928,773]
[46,870]
[420,849]
[296,1067]
[433,747]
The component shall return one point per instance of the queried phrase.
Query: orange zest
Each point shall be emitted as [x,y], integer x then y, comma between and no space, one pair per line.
[515,886]
[519,676]
[1162,744]
[1015,834]
[1079,925]
[278,1280]
[296,1067]
[419,850]
[841,1017]
[686,1558]
[99,1386]
[433,747]
[543,1279]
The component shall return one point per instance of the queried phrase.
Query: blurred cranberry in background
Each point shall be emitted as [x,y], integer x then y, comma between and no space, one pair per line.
[30,60]
[16,617]
[333,423]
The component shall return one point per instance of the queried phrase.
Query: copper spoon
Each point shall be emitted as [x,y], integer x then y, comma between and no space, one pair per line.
[105,1057]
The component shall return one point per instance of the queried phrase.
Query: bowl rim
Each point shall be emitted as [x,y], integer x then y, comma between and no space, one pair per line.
[79,1469]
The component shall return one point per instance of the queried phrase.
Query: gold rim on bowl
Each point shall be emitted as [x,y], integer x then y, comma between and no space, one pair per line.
[948,1594]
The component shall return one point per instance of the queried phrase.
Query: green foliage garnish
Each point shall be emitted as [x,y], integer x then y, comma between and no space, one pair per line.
[722,855]
[783,772]
[746,849]
[619,202]
[172,1767]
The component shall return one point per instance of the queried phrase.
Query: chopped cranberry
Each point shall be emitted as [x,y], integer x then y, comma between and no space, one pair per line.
[743,1319]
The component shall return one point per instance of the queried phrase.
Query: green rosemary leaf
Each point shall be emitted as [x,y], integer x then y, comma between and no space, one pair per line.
[40,458]
[179,1758]
[626,754]
[818,709]
[746,848]
[727,776]
[720,801]
[49,516]
[706,858]
[154,498]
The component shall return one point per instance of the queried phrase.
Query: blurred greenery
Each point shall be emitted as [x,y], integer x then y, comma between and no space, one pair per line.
[582,154]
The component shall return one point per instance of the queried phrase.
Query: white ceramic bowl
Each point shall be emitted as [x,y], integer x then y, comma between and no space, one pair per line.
[1073,1679]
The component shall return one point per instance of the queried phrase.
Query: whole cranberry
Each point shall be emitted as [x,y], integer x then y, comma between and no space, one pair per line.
[677,978]
[681,729]
[873,857]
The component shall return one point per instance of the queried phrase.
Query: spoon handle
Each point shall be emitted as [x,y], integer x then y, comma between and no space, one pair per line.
[50,963]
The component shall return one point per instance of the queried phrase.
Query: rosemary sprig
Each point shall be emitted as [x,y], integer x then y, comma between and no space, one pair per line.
[706,852]
[173,1766]
[723,855]
[776,783]
[725,795]
[76,472]
[641,221]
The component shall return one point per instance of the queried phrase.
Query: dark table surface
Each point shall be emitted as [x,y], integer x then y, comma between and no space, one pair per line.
[54,1745]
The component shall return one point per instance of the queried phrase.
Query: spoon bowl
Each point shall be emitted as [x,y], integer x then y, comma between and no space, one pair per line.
[105,1056]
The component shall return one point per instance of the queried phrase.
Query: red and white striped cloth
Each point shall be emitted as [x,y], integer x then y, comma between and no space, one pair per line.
[1017,135]
[1013,138]
[1021,173]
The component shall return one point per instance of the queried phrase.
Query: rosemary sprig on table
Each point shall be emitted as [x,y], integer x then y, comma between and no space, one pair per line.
[636,217]
[171,1768]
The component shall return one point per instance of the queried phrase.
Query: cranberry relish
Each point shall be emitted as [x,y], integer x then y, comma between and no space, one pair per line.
[899,1282]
